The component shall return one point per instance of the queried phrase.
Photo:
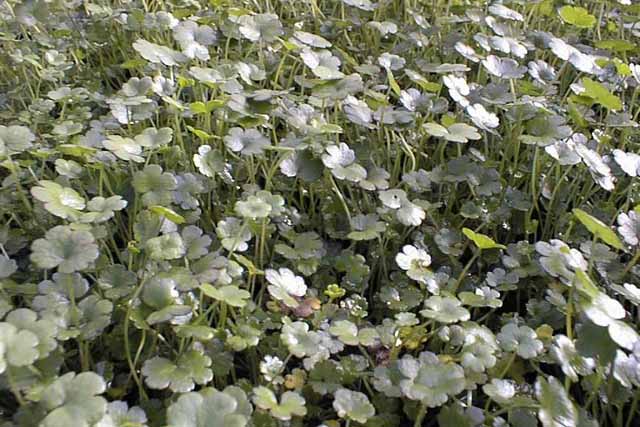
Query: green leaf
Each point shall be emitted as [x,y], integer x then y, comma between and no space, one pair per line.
[291,403]
[15,139]
[72,400]
[191,368]
[577,16]
[133,63]
[198,332]
[75,150]
[454,416]
[246,262]
[167,213]
[348,333]
[206,107]
[430,86]
[167,314]
[199,108]
[285,286]
[622,68]
[393,83]
[63,202]
[330,128]
[600,95]
[230,294]
[210,408]
[19,346]
[353,405]
[576,116]
[598,229]
[482,241]
[199,133]
[421,81]
[167,246]
[556,408]
[288,45]
[65,248]
[585,285]
[616,45]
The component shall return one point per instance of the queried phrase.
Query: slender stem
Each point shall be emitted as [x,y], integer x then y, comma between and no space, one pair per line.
[569,315]
[594,391]
[508,366]
[263,234]
[533,188]
[633,409]
[465,270]
[366,355]
[127,346]
[409,152]
[84,363]
[502,374]
[223,315]
[629,266]
[340,197]
[13,388]
[569,329]
[505,410]
[420,417]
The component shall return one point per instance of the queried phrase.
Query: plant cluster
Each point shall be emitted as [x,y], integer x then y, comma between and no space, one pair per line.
[263,213]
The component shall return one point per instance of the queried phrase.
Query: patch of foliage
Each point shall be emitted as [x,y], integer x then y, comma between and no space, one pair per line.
[319,213]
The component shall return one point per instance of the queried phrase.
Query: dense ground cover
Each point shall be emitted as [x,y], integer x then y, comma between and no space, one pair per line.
[319,212]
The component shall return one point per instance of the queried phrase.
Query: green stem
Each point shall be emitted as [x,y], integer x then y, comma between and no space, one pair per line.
[502,374]
[533,188]
[263,234]
[630,265]
[508,366]
[84,363]
[409,152]
[569,329]
[465,271]
[340,197]
[223,315]
[505,410]
[633,409]
[127,345]
[420,417]
[13,387]
[594,392]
